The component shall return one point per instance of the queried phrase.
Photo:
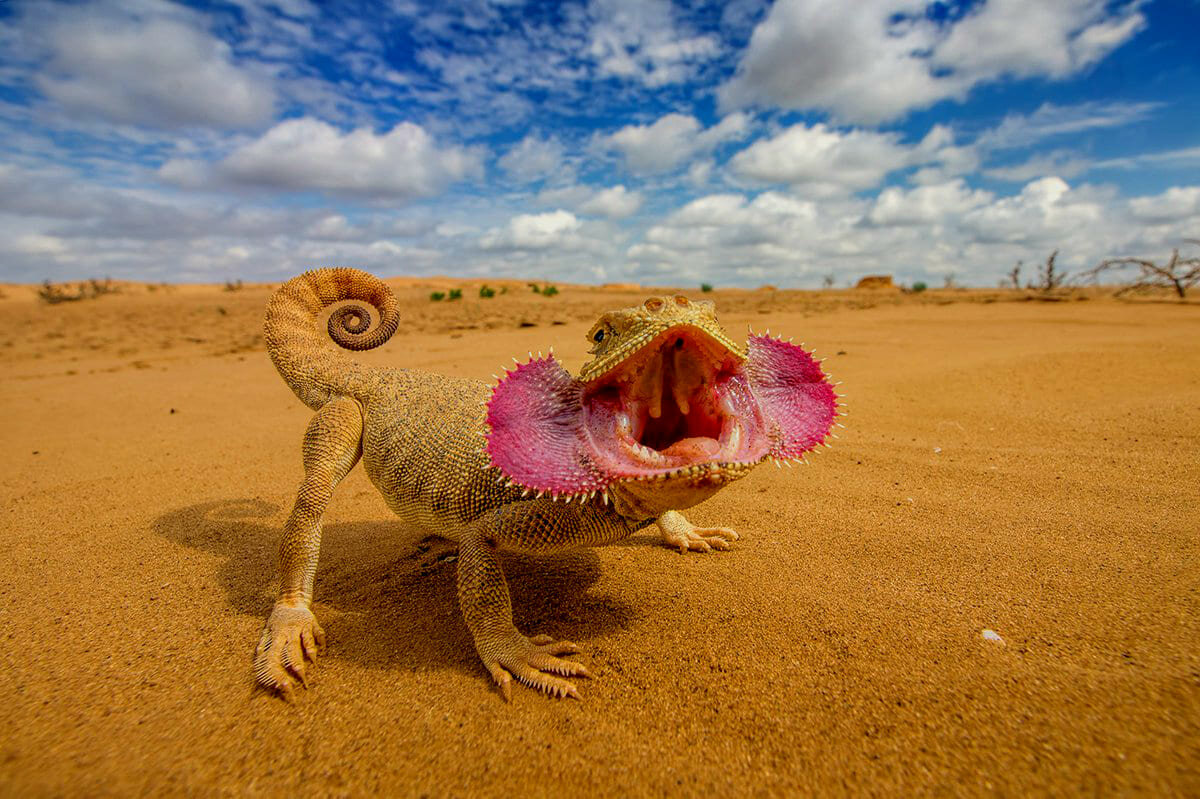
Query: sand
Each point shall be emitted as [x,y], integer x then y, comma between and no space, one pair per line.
[1026,468]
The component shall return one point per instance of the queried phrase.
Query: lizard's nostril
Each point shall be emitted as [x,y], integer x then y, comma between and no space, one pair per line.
[654,304]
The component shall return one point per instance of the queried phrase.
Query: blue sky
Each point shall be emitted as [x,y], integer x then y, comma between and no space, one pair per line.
[735,143]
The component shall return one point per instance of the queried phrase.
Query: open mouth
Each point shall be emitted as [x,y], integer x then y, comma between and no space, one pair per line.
[686,405]
[682,401]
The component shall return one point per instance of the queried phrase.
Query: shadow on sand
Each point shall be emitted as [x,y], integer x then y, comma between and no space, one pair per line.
[387,599]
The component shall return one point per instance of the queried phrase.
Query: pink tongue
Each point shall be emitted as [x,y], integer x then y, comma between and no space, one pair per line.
[699,448]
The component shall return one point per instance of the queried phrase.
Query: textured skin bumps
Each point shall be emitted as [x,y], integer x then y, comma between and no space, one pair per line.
[421,439]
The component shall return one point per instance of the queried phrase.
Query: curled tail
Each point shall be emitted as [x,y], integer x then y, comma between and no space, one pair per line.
[305,357]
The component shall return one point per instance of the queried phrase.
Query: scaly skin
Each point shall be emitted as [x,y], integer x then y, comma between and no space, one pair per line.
[421,438]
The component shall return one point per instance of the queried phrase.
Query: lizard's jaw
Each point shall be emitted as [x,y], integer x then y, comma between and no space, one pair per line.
[681,416]
[679,407]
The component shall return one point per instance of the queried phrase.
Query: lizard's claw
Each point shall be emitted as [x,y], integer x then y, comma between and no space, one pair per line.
[290,635]
[529,660]
[700,539]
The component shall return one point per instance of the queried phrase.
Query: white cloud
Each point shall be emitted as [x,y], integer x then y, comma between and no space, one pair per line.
[821,156]
[699,173]
[307,154]
[928,204]
[615,203]
[889,57]
[39,244]
[553,230]
[1184,158]
[1027,38]
[533,158]
[922,233]
[161,70]
[1057,162]
[672,139]
[640,40]
[1046,213]
[1050,120]
[1176,204]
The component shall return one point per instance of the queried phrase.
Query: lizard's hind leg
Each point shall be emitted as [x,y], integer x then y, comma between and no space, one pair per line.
[332,445]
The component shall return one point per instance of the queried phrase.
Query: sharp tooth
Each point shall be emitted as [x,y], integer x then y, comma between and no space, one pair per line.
[623,424]
[680,393]
[735,439]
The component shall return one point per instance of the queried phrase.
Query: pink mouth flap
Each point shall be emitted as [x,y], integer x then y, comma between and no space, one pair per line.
[536,439]
[796,399]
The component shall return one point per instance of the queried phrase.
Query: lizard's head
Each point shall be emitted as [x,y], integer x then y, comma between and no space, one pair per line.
[669,410]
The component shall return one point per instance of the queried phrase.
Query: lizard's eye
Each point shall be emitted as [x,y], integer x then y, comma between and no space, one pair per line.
[598,337]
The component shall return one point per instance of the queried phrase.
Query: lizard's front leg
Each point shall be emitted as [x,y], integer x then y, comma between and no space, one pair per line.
[678,532]
[332,445]
[487,608]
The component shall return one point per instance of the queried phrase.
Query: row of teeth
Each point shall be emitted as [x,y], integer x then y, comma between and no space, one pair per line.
[654,454]
[646,452]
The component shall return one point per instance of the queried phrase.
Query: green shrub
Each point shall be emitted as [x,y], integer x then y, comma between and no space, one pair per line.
[487,292]
[455,294]
[919,286]
[549,291]
[706,287]
[437,296]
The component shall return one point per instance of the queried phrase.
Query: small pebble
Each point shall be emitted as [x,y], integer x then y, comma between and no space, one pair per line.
[993,636]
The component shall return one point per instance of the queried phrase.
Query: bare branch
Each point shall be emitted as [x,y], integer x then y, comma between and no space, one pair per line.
[1179,274]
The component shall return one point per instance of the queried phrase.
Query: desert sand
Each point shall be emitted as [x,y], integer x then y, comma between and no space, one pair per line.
[1028,468]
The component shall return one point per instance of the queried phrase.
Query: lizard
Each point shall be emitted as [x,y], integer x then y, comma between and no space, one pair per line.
[669,410]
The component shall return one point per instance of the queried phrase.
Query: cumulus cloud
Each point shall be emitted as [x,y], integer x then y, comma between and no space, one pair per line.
[533,158]
[1176,204]
[925,204]
[552,230]
[820,156]
[1045,212]
[672,139]
[892,56]
[1028,38]
[616,202]
[160,70]
[919,233]
[311,155]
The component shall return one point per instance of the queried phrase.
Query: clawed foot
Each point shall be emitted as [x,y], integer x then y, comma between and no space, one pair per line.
[683,535]
[290,635]
[529,660]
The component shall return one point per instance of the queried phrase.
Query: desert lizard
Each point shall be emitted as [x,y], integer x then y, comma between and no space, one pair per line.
[669,410]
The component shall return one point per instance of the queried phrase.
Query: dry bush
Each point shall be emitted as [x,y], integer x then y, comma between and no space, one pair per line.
[90,289]
[1178,274]
[1013,279]
[1049,279]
